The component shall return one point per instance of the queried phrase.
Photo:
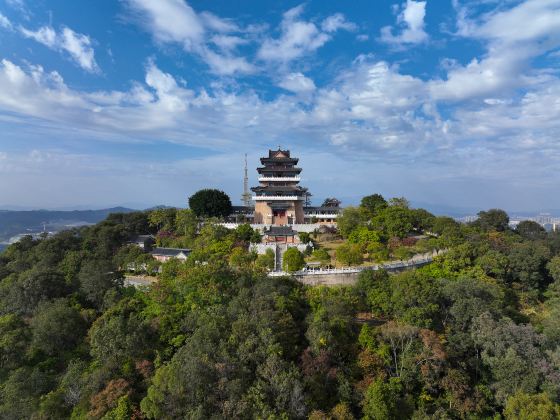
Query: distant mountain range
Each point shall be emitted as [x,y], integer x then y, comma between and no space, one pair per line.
[14,222]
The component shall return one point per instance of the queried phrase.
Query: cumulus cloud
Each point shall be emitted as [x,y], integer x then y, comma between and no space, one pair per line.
[174,21]
[513,37]
[299,37]
[336,22]
[169,21]
[4,22]
[411,23]
[297,83]
[77,45]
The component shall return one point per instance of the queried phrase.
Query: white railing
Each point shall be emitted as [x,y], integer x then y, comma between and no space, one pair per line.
[279,178]
[322,216]
[415,261]
[277,198]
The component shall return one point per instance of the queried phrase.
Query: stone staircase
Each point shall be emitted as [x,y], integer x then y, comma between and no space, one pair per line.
[279,253]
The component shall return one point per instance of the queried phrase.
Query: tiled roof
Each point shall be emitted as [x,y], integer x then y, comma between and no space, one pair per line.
[141,238]
[279,169]
[289,188]
[170,252]
[280,231]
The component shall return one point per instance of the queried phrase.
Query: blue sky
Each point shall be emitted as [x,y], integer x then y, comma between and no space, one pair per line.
[143,102]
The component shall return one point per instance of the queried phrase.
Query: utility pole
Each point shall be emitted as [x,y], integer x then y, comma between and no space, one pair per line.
[246,196]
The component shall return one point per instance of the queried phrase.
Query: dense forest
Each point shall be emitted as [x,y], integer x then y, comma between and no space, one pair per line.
[474,335]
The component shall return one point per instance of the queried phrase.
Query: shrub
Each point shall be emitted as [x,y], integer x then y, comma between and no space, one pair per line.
[292,260]
[349,254]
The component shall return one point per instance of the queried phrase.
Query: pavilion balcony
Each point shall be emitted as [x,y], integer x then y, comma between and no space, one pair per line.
[277,198]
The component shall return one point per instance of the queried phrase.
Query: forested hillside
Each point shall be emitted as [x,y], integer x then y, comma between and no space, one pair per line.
[475,335]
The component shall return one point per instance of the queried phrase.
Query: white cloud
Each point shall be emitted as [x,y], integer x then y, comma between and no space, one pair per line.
[174,21]
[228,42]
[44,35]
[170,21]
[77,45]
[336,22]
[411,21]
[372,115]
[297,83]
[218,24]
[528,21]
[514,37]
[299,37]
[5,22]
[226,64]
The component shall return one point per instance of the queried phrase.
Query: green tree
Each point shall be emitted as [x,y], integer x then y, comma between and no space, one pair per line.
[553,267]
[121,334]
[364,237]
[56,327]
[382,400]
[530,230]
[321,254]
[396,221]
[96,278]
[527,265]
[266,261]
[373,204]
[162,218]
[349,254]
[493,219]
[512,354]
[399,202]
[350,219]
[210,203]
[186,223]
[422,220]
[14,340]
[415,299]
[33,287]
[240,258]
[304,237]
[523,406]
[374,286]
[292,260]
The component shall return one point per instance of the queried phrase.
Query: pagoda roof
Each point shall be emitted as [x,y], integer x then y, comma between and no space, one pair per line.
[266,160]
[278,188]
[279,169]
[278,153]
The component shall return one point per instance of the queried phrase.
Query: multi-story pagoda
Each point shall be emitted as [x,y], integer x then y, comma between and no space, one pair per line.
[279,199]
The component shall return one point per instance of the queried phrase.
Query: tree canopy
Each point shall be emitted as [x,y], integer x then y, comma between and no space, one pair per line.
[210,203]
[473,335]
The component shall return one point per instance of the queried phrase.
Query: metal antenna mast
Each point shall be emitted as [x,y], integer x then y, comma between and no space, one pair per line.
[246,196]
